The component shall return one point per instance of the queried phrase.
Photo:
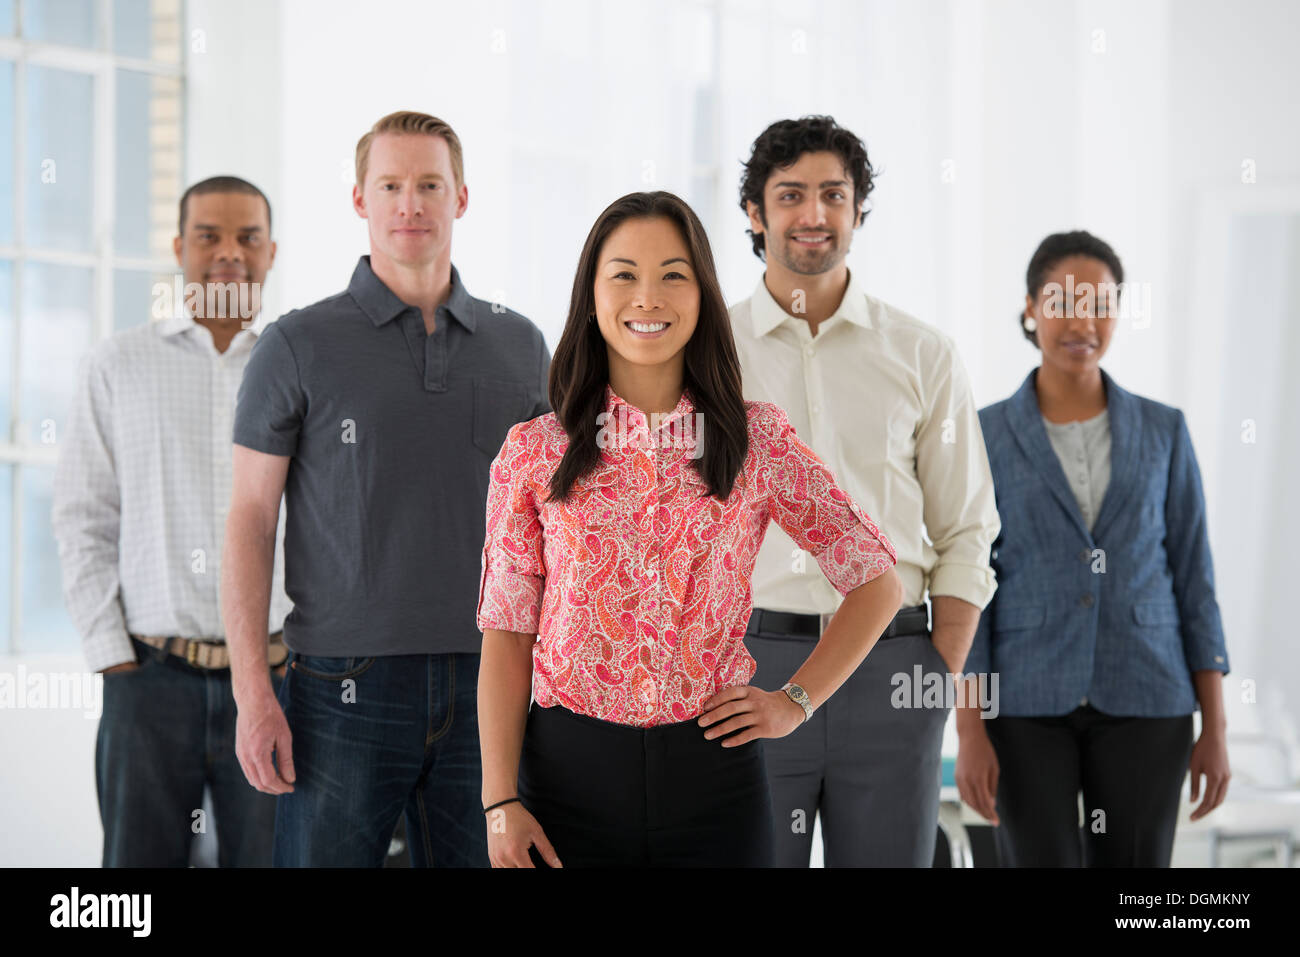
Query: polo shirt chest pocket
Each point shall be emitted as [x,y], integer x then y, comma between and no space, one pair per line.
[497,406]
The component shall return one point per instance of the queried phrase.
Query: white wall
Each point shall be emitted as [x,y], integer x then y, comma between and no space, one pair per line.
[562,107]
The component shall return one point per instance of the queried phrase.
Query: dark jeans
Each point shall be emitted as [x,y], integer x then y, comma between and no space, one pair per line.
[613,795]
[373,738]
[167,730]
[1129,769]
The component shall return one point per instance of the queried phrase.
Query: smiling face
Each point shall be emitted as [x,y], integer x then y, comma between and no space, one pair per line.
[808,214]
[646,293]
[410,198]
[1074,332]
[226,239]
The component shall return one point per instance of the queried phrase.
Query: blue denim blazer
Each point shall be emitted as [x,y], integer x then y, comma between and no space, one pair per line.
[1118,618]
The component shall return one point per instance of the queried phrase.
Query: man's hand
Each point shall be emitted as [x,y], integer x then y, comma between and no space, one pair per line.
[261,730]
[766,714]
[977,773]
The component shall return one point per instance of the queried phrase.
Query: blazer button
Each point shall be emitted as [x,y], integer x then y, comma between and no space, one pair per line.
[1086,601]
[1084,555]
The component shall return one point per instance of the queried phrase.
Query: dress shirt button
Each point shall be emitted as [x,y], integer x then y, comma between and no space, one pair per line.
[1084,701]
[816,409]
[1086,601]
[1218,659]
[807,350]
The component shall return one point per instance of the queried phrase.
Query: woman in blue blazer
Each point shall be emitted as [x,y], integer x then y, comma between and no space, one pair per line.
[1104,633]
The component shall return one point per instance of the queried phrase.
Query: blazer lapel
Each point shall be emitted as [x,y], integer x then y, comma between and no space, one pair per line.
[1125,445]
[1026,422]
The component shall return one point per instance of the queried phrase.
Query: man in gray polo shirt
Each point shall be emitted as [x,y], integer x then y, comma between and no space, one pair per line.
[377,413]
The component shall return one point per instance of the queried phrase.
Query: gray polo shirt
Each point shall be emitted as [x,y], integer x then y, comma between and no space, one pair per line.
[1083,449]
[391,433]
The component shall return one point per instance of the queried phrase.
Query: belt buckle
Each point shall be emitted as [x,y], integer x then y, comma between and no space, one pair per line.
[192,652]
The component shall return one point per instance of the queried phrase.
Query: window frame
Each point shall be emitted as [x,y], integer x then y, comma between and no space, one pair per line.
[101,64]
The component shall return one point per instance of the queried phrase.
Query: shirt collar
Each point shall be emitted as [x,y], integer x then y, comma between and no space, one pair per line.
[766,314]
[176,325]
[638,425]
[381,304]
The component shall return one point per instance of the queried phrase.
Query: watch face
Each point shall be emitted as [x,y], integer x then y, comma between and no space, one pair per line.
[798,692]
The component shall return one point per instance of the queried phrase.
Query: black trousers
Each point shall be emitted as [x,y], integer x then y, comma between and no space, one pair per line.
[613,795]
[1130,771]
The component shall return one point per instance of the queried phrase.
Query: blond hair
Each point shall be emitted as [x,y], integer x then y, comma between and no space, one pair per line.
[414,124]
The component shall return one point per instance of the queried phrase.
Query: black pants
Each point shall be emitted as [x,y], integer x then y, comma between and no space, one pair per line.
[613,795]
[1130,771]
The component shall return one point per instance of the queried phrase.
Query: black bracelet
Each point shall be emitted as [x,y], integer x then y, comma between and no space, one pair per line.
[499,803]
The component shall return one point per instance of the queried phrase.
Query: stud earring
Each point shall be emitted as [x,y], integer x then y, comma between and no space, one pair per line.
[1031,323]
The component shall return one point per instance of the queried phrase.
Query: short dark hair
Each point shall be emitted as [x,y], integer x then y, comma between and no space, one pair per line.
[781,145]
[1053,250]
[223,184]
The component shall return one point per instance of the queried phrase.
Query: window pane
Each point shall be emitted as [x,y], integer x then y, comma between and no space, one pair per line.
[148,163]
[57,310]
[133,296]
[6,552]
[6,350]
[60,159]
[45,623]
[7,152]
[150,29]
[6,18]
[70,22]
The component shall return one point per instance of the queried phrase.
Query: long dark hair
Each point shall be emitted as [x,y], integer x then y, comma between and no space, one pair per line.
[580,365]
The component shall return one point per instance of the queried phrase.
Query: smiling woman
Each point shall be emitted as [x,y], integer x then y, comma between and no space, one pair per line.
[629,555]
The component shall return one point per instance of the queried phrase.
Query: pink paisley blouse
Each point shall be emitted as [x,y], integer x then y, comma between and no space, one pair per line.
[637,587]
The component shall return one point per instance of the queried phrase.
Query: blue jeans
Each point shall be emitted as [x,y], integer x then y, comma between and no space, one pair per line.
[168,729]
[373,738]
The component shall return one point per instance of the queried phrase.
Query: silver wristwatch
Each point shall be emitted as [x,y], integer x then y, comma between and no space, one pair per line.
[799,697]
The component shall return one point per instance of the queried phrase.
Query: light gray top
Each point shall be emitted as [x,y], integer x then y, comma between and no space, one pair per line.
[1084,451]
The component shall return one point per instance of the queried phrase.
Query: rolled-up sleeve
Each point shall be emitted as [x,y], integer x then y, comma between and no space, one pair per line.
[513,577]
[807,503]
[1187,545]
[952,468]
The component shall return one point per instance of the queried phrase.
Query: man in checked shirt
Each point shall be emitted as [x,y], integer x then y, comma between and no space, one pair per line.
[883,400]
[141,492]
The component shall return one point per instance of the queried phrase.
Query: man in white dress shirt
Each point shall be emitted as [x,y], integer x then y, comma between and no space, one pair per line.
[141,492]
[883,399]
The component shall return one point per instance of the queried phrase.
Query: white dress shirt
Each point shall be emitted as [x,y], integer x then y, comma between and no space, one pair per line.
[142,488]
[884,401]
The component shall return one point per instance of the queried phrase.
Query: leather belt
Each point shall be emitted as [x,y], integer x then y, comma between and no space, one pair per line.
[908,621]
[210,655]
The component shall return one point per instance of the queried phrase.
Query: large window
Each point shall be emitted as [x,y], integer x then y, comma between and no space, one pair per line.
[91,96]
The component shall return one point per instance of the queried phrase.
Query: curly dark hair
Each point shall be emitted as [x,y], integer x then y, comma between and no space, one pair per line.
[780,146]
[1053,250]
